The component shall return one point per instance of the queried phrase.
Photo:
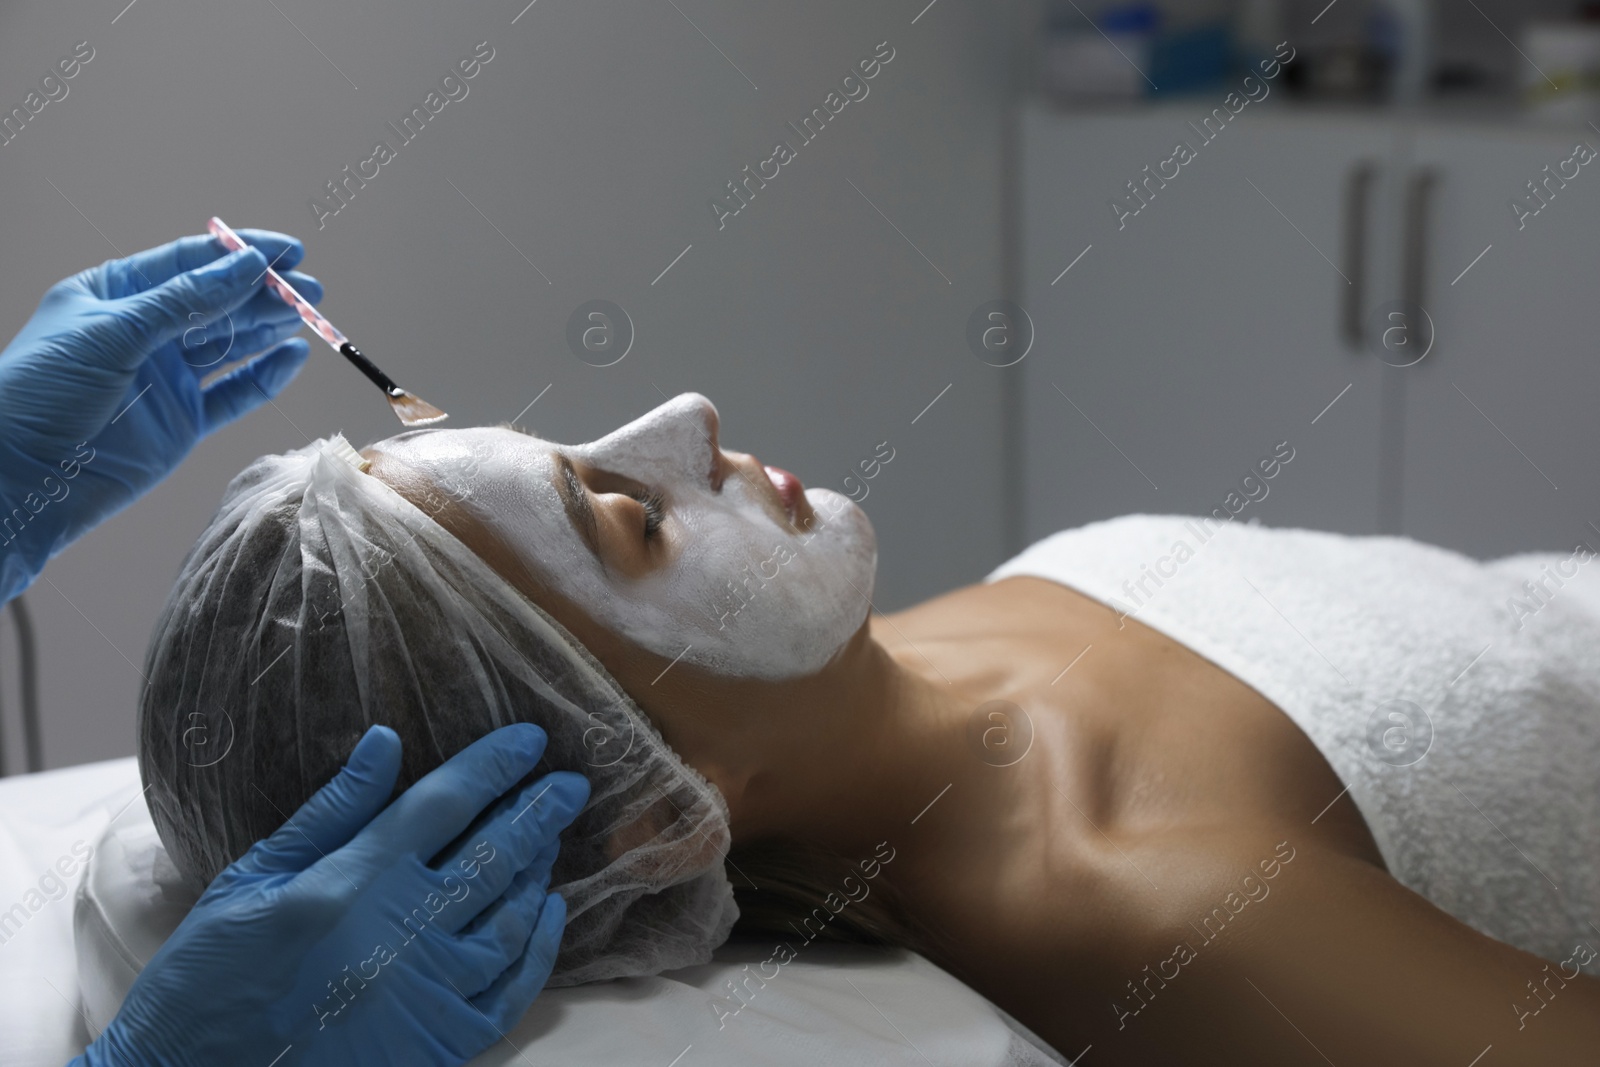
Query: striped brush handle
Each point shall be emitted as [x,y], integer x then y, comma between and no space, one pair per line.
[313,318]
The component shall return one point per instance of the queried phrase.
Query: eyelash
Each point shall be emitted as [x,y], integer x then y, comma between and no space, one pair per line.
[654,511]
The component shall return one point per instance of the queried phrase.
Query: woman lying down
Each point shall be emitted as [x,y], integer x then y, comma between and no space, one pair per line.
[1320,800]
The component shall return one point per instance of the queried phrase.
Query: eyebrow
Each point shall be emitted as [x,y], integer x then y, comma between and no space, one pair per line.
[576,500]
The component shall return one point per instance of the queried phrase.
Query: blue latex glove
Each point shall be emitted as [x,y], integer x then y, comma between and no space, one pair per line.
[336,941]
[100,394]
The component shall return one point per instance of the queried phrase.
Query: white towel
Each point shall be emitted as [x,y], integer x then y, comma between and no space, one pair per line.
[1498,823]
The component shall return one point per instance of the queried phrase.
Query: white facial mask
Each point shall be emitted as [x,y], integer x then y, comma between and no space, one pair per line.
[745,595]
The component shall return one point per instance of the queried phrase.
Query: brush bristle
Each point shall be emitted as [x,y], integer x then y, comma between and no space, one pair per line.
[415,411]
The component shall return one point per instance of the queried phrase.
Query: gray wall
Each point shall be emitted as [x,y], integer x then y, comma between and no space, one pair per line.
[591,143]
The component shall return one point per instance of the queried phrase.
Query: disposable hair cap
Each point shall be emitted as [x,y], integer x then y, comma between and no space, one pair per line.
[320,602]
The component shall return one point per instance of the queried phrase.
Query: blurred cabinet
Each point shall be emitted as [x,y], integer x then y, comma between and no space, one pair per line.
[1502,438]
[1195,336]
[1263,282]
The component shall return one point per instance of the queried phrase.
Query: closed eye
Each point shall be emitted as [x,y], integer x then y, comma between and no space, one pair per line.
[655,511]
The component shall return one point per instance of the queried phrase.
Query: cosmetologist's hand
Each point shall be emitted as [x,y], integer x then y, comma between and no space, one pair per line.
[359,934]
[101,393]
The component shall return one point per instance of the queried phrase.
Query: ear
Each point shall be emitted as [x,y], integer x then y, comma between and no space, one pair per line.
[733,784]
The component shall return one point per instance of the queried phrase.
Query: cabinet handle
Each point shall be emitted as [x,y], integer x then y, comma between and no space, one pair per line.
[1357,202]
[1414,267]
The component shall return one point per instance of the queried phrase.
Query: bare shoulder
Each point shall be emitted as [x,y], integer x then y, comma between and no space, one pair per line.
[1179,889]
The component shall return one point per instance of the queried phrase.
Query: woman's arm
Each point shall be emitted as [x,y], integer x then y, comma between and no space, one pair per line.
[1341,964]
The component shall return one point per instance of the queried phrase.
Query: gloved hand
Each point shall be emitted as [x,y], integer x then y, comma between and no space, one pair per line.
[338,942]
[100,394]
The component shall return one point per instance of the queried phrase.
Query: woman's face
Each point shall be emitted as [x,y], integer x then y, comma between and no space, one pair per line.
[663,538]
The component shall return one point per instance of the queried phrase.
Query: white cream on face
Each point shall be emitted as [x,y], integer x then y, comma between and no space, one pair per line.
[745,594]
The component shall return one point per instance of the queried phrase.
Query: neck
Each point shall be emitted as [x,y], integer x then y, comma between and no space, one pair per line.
[860,752]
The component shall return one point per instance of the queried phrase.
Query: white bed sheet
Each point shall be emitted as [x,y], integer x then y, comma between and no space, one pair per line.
[831,1005]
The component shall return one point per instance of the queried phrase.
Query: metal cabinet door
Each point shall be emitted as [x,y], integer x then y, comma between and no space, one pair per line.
[1502,441]
[1192,338]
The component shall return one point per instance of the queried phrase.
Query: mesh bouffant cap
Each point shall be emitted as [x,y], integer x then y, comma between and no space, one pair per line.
[320,602]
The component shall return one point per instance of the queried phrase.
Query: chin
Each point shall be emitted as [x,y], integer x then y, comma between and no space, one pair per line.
[844,535]
[833,508]
[842,528]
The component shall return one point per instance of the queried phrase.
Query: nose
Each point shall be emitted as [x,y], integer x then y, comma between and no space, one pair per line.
[675,441]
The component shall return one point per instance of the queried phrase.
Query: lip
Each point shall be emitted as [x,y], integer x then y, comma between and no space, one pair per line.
[790,491]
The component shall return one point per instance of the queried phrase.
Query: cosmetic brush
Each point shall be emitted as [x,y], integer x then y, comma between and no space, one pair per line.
[410,409]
